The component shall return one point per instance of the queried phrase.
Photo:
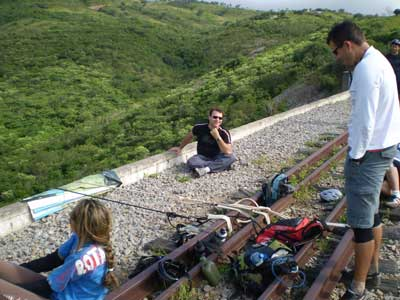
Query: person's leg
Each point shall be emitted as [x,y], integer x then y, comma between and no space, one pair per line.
[198,161]
[377,232]
[16,274]
[363,253]
[221,162]
[11,291]
[386,190]
[363,185]
[393,179]
[392,176]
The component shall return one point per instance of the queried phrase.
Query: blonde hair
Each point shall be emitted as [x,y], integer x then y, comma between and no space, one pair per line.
[92,222]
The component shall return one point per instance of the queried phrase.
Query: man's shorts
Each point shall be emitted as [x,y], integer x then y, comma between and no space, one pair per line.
[363,185]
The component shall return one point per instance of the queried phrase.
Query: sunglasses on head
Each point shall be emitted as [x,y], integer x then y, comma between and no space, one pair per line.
[216,117]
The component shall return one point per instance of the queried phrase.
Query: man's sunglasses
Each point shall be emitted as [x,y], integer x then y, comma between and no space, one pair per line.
[216,117]
[334,51]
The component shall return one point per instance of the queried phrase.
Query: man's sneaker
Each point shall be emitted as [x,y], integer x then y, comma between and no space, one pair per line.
[373,280]
[351,295]
[202,171]
[393,202]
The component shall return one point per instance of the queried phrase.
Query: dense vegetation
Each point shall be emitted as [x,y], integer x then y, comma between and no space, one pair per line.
[86,87]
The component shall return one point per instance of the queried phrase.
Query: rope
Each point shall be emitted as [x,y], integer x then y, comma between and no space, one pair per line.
[169,214]
[283,260]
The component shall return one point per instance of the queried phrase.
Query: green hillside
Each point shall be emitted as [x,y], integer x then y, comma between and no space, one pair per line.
[88,86]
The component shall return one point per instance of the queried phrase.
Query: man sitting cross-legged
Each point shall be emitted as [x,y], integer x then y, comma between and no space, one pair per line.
[214,145]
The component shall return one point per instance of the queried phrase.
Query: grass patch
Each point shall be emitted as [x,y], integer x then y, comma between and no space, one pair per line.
[182,178]
[186,293]
[262,160]
[343,219]
[324,244]
[155,175]
[313,144]
[304,193]
[158,251]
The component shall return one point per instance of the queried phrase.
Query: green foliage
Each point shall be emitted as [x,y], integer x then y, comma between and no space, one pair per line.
[183,178]
[304,193]
[262,160]
[186,293]
[85,88]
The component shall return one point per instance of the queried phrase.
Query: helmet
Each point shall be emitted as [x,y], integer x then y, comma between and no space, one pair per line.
[331,195]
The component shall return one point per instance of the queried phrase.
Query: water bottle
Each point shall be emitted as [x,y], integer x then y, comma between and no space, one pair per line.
[257,258]
[210,271]
[221,234]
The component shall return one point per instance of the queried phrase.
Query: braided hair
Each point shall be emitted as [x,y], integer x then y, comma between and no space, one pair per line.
[92,222]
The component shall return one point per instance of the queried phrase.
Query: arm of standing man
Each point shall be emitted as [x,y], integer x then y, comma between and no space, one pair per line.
[225,148]
[365,91]
[186,140]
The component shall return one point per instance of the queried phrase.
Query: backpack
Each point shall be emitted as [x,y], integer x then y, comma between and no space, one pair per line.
[293,232]
[275,189]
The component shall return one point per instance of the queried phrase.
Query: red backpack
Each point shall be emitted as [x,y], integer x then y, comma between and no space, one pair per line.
[292,232]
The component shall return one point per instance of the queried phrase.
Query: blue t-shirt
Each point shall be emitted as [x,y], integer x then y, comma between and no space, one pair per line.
[81,275]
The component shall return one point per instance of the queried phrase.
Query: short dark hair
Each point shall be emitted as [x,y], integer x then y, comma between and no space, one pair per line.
[345,31]
[215,109]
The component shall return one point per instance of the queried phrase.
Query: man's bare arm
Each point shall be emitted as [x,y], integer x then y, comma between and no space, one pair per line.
[186,140]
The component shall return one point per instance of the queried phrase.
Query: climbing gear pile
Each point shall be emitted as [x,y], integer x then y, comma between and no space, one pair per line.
[262,263]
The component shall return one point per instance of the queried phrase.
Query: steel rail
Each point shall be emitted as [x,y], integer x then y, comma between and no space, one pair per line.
[143,284]
[330,275]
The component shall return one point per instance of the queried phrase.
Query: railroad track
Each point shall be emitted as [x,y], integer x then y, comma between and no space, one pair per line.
[144,284]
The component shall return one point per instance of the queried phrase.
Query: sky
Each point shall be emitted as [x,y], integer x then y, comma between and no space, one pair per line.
[380,7]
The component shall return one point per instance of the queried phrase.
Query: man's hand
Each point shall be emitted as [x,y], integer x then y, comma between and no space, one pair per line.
[215,133]
[177,150]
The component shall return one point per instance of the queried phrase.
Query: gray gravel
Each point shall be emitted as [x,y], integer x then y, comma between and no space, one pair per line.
[261,154]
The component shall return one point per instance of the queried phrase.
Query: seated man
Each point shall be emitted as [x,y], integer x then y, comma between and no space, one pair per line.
[390,186]
[214,145]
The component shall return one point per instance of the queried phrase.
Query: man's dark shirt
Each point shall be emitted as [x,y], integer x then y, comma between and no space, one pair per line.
[206,144]
[395,62]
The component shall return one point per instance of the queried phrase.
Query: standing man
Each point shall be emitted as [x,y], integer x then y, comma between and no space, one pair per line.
[394,59]
[373,135]
[214,145]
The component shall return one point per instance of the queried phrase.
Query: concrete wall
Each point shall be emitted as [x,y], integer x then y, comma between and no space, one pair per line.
[16,216]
